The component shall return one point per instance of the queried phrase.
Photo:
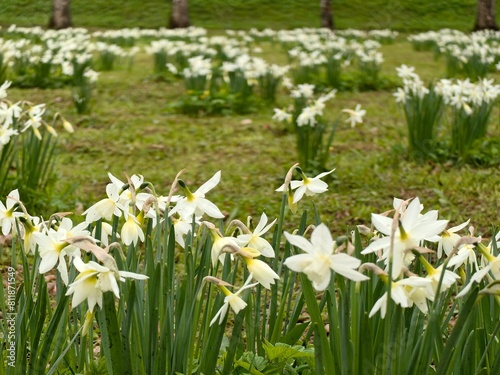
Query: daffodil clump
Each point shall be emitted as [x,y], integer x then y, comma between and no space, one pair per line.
[423,109]
[160,275]
[27,133]
[470,105]
[236,81]
[305,118]
[473,55]
[321,56]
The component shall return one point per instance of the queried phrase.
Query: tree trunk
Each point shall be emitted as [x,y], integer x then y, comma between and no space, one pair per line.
[179,16]
[61,15]
[326,14]
[485,19]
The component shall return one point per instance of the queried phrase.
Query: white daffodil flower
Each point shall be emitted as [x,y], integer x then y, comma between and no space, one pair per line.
[233,300]
[449,239]
[355,115]
[260,270]
[53,249]
[182,227]
[307,186]
[126,196]
[8,214]
[435,276]
[3,89]
[35,119]
[219,243]
[196,203]
[131,229]
[320,259]
[255,240]
[93,280]
[403,293]
[493,267]
[281,115]
[105,208]
[106,232]
[413,228]
[466,255]
[31,225]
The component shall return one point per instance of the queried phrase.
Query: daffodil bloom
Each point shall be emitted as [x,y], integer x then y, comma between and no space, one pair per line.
[219,244]
[233,300]
[466,255]
[35,119]
[93,280]
[181,228]
[9,113]
[281,115]
[53,249]
[413,228]
[8,214]
[127,192]
[260,270]
[435,276]
[255,240]
[196,203]
[6,133]
[30,226]
[404,292]
[106,232]
[355,115]
[131,229]
[493,267]
[3,89]
[307,186]
[406,72]
[106,207]
[449,239]
[320,259]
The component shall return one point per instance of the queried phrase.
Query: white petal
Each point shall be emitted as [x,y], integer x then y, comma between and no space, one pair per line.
[317,186]
[298,262]
[411,215]
[381,305]
[382,223]
[399,296]
[133,275]
[321,239]
[262,246]
[321,175]
[221,313]
[209,208]
[209,185]
[320,283]
[459,227]
[48,262]
[300,242]
[262,223]
[299,193]
[381,243]
[349,272]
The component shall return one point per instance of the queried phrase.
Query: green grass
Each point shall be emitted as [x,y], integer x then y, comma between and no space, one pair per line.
[132,131]
[404,15]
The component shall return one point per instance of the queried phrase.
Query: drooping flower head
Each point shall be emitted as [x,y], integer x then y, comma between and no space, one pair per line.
[232,299]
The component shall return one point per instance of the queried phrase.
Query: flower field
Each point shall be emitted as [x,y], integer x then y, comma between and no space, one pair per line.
[263,201]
